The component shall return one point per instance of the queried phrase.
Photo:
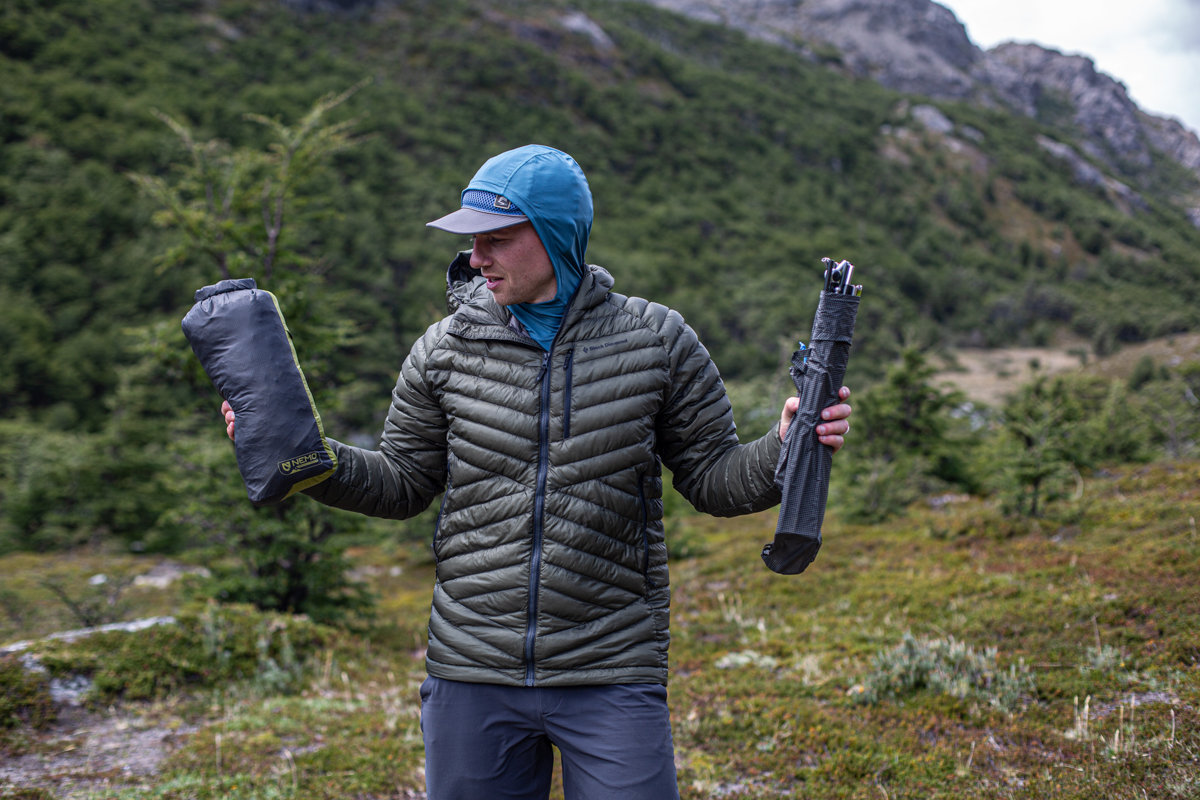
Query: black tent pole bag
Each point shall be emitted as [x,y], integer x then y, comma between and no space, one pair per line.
[804,465]
[239,334]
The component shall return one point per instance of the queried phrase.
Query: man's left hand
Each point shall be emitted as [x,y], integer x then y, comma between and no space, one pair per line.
[834,425]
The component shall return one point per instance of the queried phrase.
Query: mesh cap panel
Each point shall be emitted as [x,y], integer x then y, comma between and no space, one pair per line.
[490,202]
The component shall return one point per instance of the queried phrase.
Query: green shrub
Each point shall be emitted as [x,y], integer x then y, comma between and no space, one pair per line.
[210,647]
[25,696]
[1102,658]
[24,702]
[987,522]
[285,558]
[26,793]
[908,439]
[1052,428]
[59,490]
[873,489]
[1143,373]
[1173,411]
[945,666]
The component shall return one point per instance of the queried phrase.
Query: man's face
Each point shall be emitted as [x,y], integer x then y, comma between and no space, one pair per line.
[516,266]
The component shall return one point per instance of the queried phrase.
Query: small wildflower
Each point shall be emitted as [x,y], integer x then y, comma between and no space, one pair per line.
[746,658]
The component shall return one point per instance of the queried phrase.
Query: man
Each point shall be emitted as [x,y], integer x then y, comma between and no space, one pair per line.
[545,406]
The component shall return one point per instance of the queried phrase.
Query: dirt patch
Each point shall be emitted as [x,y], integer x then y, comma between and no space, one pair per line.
[1169,351]
[989,376]
[84,752]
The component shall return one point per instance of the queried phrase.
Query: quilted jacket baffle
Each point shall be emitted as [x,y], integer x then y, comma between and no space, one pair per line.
[551,560]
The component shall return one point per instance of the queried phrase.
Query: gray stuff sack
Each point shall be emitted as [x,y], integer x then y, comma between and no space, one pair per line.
[239,334]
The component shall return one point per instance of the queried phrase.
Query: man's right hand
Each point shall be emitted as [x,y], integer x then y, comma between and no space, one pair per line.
[227,410]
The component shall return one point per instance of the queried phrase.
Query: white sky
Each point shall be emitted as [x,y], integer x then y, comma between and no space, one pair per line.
[1152,46]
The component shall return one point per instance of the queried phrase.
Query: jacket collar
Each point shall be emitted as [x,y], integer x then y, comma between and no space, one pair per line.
[476,314]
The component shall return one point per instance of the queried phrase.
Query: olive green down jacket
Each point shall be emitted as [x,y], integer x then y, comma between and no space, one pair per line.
[551,560]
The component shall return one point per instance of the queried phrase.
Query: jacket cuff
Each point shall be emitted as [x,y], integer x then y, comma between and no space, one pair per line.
[320,491]
[774,446]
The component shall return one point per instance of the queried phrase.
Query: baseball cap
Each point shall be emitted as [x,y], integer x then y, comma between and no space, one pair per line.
[481,212]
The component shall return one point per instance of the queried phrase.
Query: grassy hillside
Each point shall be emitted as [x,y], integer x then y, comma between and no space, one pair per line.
[723,169]
[1091,692]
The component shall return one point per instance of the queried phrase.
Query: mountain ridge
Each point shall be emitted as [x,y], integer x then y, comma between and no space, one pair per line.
[723,169]
[920,47]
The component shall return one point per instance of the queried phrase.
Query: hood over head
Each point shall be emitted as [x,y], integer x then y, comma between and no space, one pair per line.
[550,189]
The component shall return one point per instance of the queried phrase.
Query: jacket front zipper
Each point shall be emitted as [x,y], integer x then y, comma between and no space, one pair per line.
[570,368]
[539,506]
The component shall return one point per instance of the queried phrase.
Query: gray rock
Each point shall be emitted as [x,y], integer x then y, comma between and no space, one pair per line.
[909,45]
[974,134]
[221,26]
[1169,136]
[70,691]
[1088,175]
[1085,173]
[932,118]
[578,22]
[1102,108]
[766,20]
[164,573]
[83,633]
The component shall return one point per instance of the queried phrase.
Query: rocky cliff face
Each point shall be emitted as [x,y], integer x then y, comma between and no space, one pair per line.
[920,47]
[908,45]
[1111,123]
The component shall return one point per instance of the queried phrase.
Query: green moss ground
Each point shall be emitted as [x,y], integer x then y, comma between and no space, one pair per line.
[28,609]
[1118,566]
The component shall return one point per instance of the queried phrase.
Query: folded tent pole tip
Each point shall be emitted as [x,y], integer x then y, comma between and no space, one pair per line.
[839,277]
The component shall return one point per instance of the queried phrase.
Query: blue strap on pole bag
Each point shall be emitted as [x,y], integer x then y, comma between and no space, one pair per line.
[239,334]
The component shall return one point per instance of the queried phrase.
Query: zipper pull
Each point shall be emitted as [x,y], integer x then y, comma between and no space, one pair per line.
[545,366]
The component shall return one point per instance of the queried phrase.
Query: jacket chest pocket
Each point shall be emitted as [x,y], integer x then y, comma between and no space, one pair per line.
[569,370]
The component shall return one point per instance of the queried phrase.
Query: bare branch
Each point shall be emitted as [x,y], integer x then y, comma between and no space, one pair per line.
[266,202]
[182,132]
[271,229]
[95,607]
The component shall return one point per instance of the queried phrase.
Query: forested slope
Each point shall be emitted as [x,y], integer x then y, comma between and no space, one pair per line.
[722,168]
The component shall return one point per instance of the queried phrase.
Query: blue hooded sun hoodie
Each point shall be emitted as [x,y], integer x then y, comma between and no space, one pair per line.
[550,188]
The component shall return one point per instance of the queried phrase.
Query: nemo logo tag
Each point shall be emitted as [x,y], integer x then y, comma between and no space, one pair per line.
[300,462]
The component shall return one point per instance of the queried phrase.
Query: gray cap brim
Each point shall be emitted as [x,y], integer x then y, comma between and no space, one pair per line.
[469,221]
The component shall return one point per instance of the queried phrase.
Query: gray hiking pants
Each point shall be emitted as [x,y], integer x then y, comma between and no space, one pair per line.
[489,742]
